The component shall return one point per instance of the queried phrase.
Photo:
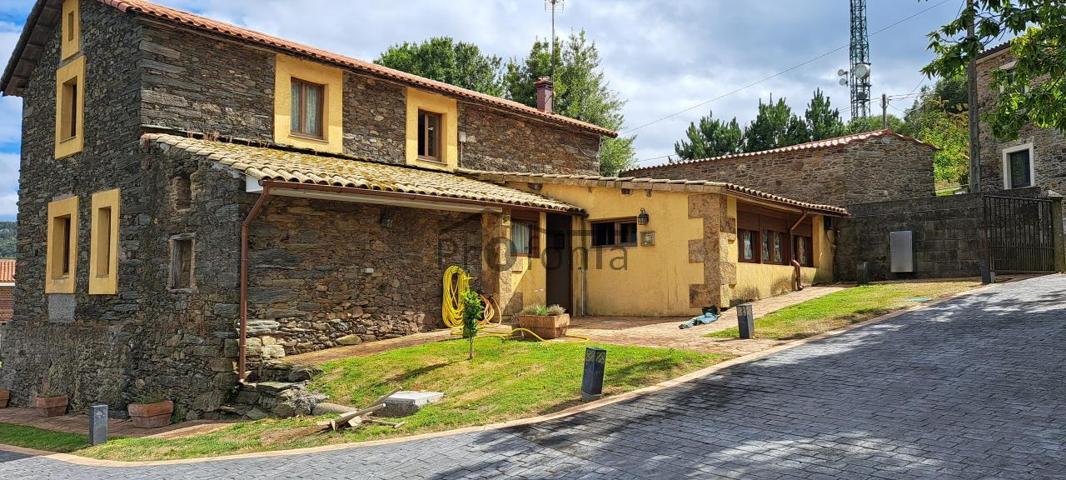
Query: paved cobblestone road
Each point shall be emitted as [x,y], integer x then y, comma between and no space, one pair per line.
[972,388]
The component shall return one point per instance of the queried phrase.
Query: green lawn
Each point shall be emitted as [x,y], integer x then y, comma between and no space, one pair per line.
[846,307]
[36,438]
[506,380]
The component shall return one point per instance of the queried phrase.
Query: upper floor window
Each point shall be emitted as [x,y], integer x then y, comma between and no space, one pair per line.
[307,108]
[71,29]
[70,108]
[429,135]
[1018,167]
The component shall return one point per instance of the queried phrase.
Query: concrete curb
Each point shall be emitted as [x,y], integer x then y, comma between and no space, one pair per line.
[91,462]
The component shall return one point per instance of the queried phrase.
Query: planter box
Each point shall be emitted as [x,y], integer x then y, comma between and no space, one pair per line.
[5,396]
[151,415]
[546,327]
[50,406]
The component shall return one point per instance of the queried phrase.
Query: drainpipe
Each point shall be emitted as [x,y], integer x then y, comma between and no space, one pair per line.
[261,202]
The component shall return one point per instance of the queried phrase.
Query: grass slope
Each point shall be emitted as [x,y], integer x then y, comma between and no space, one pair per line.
[36,438]
[846,307]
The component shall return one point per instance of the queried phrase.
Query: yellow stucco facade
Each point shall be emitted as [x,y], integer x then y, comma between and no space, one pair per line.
[448,109]
[332,79]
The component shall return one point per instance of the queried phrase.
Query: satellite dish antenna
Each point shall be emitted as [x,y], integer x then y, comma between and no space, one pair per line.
[844,82]
[862,70]
[842,72]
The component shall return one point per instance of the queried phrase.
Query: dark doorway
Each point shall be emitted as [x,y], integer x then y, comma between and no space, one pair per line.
[559,261]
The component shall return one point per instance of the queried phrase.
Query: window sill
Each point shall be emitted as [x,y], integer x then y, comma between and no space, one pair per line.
[432,160]
[308,138]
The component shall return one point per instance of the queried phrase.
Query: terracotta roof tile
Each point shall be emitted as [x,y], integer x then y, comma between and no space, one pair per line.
[7,270]
[699,186]
[265,163]
[816,145]
[249,36]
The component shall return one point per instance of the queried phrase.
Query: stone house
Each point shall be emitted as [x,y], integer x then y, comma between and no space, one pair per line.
[196,197]
[7,287]
[1037,158]
[861,168]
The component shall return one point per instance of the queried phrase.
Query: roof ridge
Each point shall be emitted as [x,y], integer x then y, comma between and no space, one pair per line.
[219,27]
[811,145]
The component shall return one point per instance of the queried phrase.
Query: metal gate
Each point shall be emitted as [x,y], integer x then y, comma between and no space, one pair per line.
[1020,234]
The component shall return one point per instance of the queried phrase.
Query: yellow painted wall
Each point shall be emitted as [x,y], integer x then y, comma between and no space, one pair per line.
[66,147]
[448,109]
[656,279]
[288,67]
[755,280]
[529,275]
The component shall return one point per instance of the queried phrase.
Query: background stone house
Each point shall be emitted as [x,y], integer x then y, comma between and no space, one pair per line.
[1037,158]
[861,168]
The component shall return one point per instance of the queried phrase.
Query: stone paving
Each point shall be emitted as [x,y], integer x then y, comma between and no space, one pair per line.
[969,388]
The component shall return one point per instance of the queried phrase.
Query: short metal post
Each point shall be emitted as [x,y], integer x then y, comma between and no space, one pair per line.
[746,320]
[592,381]
[98,424]
[863,273]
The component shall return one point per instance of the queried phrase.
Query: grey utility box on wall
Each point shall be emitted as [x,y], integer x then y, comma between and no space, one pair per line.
[902,251]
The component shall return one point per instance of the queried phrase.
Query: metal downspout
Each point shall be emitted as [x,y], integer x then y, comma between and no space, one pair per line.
[261,202]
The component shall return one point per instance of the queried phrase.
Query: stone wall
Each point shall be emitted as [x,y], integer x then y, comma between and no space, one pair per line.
[328,273]
[713,250]
[196,83]
[1049,145]
[877,169]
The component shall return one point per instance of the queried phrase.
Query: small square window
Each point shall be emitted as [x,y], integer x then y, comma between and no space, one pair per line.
[307,116]
[430,126]
[182,263]
[749,246]
[602,234]
[627,233]
[609,234]
[1019,168]
[524,238]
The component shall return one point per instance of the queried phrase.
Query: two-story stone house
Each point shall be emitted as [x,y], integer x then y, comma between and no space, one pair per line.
[196,197]
[1037,158]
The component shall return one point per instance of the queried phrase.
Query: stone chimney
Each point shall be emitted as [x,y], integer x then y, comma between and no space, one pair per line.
[545,92]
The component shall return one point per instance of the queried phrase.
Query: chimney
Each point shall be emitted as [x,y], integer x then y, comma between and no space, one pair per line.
[545,92]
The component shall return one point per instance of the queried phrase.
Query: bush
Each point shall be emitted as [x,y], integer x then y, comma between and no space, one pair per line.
[542,311]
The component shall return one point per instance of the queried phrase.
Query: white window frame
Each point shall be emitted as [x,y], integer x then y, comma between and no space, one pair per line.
[1006,165]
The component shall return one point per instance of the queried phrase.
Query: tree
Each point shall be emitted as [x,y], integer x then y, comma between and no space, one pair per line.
[473,310]
[711,138]
[441,58]
[581,92]
[774,126]
[1034,91]
[939,117]
[870,124]
[823,121]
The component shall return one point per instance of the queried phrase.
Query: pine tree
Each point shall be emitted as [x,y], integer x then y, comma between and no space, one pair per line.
[823,121]
[774,126]
[711,138]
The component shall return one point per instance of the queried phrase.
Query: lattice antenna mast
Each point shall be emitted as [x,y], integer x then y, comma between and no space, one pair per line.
[553,4]
[859,75]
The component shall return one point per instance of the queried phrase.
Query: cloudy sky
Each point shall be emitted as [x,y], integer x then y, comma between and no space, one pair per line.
[663,56]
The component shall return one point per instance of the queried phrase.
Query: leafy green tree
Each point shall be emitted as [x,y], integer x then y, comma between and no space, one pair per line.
[473,310]
[7,240]
[823,121]
[581,92]
[870,124]
[939,117]
[441,58]
[711,138]
[1034,91]
[774,126]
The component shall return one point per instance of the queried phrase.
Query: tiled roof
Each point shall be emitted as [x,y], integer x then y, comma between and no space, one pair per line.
[993,50]
[697,186]
[816,145]
[273,164]
[243,35]
[7,270]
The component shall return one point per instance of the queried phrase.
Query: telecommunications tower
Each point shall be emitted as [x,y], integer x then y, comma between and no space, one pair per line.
[858,75]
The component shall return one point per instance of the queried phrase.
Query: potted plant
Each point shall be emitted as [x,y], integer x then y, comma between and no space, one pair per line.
[5,396]
[49,401]
[546,322]
[151,410]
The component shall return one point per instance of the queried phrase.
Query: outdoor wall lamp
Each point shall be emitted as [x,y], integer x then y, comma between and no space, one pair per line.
[643,218]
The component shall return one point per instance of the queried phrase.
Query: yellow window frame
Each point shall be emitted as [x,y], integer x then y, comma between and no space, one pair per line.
[57,281]
[103,250]
[332,79]
[448,109]
[70,43]
[74,71]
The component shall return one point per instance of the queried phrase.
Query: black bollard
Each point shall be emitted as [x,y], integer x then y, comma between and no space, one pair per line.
[746,320]
[98,424]
[592,381]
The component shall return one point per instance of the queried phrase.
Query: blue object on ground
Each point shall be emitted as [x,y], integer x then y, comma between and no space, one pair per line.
[704,319]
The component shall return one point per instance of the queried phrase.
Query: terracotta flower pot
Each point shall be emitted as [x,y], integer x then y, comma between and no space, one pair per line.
[5,396]
[50,406]
[151,415]
[546,327]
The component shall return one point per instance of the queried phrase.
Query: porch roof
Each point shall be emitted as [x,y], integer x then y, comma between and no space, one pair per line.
[662,184]
[276,165]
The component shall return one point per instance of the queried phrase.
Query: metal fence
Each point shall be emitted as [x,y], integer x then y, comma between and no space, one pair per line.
[1020,234]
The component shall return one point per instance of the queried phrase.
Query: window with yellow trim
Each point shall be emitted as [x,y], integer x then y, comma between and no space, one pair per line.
[308,105]
[103,247]
[61,260]
[71,29]
[70,108]
[432,130]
